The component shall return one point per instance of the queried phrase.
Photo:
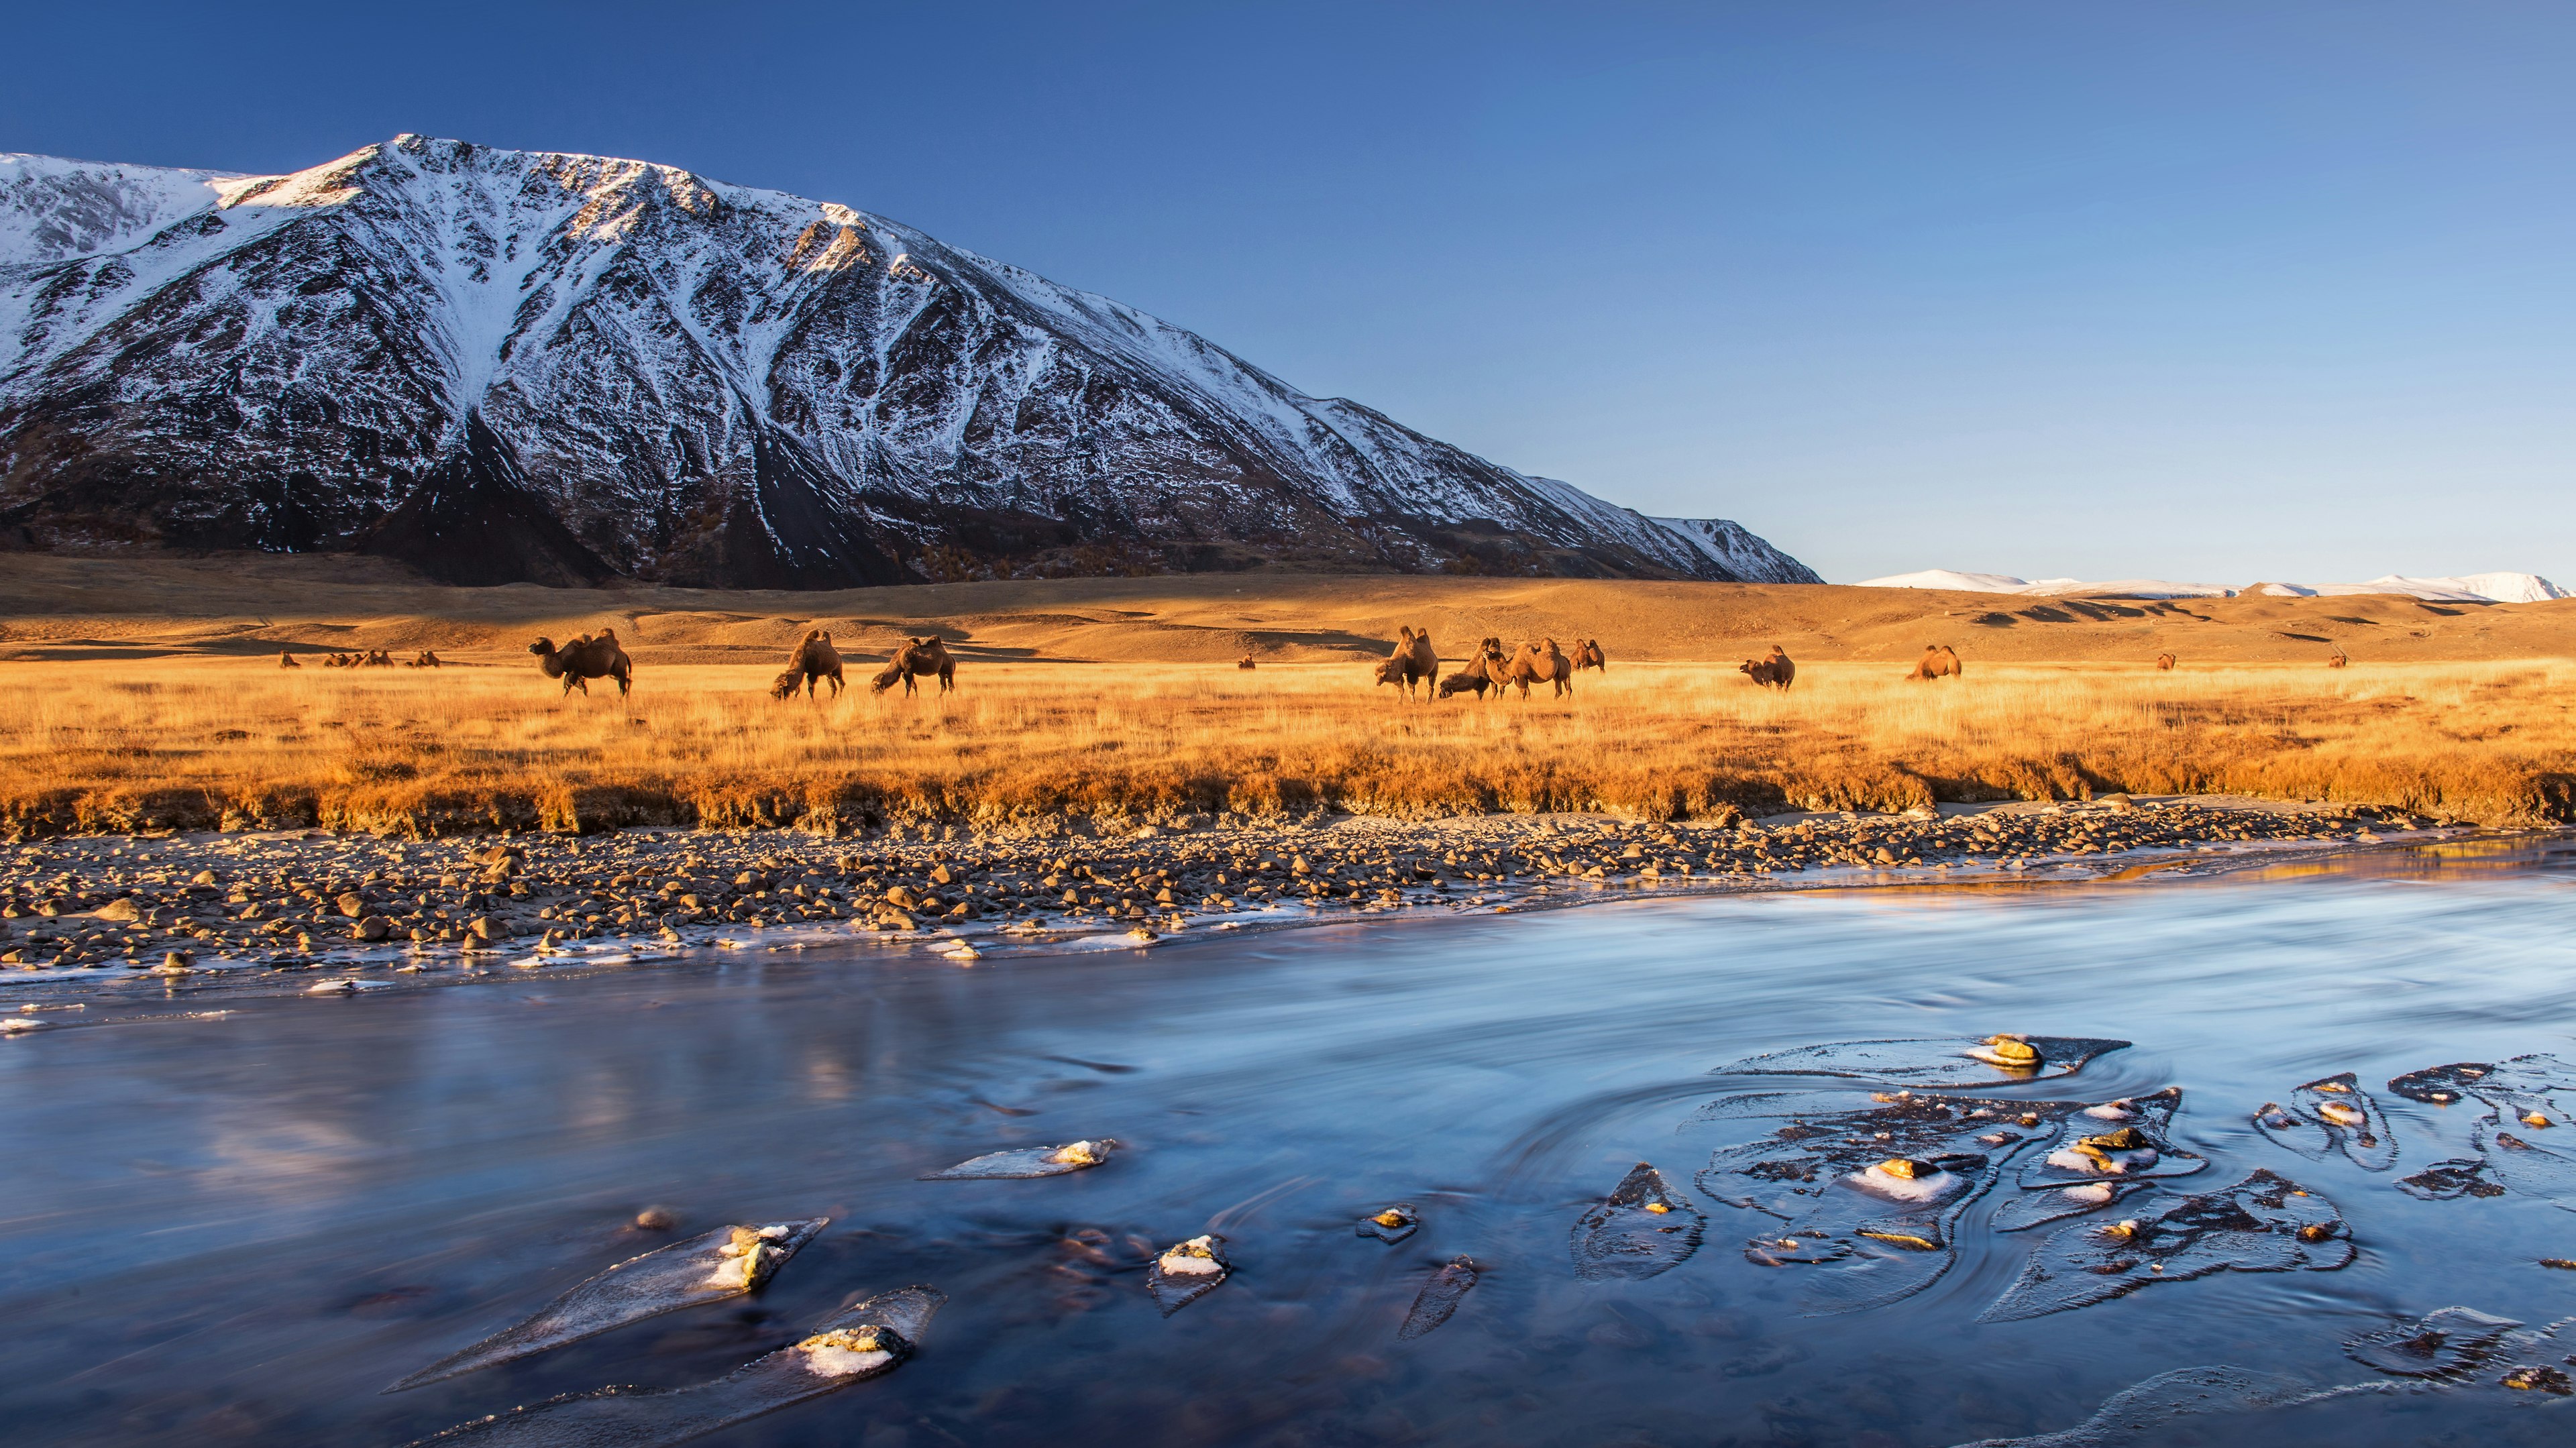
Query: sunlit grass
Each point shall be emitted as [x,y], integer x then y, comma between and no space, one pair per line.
[201,741]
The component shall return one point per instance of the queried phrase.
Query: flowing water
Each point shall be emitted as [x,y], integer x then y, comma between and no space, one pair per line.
[242,1229]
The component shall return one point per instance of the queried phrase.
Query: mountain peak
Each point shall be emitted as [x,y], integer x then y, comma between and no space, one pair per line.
[653,374]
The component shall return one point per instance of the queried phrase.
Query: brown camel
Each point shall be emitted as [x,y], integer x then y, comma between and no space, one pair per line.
[918,657]
[2339,660]
[286,660]
[812,660]
[584,659]
[1588,655]
[1477,674]
[1774,670]
[1541,662]
[2165,663]
[1414,662]
[1244,663]
[1939,661]
[425,659]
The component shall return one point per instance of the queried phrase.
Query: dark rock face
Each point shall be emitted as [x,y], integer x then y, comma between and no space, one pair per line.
[504,365]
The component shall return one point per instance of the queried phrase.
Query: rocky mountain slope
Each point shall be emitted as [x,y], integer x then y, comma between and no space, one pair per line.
[504,365]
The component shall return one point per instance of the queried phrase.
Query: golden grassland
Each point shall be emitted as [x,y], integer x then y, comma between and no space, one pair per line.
[200,742]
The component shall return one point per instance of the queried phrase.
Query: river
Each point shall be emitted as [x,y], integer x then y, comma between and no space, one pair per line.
[241,1228]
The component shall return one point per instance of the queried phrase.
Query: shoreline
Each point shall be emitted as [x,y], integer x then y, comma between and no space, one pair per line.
[175,918]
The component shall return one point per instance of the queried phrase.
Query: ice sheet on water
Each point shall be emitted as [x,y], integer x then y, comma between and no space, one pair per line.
[1030,1161]
[2024,1210]
[1390,1224]
[1642,1228]
[2331,1114]
[2265,1223]
[1971,1061]
[2518,1086]
[2522,1164]
[852,1345]
[1873,1189]
[2449,1345]
[2143,1414]
[2444,1180]
[726,1262]
[2125,1140]
[1439,1298]
[1188,1271]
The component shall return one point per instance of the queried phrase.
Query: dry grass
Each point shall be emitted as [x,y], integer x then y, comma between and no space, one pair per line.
[241,743]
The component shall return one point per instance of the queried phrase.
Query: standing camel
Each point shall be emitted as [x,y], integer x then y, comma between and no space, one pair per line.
[584,659]
[812,660]
[1414,662]
[1588,655]
[917,657]
[1541,662]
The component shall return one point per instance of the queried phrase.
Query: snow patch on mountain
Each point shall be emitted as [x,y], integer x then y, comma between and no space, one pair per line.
[2469,588]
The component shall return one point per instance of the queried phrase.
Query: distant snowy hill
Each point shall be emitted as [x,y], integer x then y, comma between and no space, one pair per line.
[508,365]
[2472,588]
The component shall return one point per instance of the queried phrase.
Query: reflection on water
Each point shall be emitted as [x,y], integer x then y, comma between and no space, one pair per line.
[238,1230]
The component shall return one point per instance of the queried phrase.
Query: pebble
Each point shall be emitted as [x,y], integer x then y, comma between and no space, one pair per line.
[280,899]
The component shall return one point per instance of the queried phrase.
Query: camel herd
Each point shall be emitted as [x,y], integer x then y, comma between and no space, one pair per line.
[371,659]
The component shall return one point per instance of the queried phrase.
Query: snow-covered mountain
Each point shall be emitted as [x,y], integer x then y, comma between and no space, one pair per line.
[508,365]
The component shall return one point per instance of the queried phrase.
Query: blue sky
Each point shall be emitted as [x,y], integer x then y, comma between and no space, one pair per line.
[2197,290]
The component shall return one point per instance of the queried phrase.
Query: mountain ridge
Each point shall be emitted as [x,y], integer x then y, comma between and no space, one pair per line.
[506,365]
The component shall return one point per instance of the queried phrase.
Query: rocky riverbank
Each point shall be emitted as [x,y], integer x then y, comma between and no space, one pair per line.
[198,910]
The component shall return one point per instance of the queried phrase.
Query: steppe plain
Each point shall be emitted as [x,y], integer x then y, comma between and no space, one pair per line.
[1104,762]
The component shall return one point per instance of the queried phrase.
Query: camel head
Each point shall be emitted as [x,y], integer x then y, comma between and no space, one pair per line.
[542,647]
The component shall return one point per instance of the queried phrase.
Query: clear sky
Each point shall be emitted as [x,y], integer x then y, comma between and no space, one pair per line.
[2200,289]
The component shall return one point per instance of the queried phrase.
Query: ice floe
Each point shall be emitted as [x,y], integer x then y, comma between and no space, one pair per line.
[851,1346]
[1391,1224]
[1439,1298]
[2327,1115]
[1642,1228]
[1188,1271]
[2522,1101]
[1030,1161]
[1979,1061]
[726,1262]
[2265,1223]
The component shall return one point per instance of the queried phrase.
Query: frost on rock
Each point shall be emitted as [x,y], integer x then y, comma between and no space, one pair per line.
[1030,1161]
[726,1262]
[2265,1223]
[1982,1061]
[1641,1229]
[1393,1224]
[1876,1190]
[2514,1136]
[1188,1271]
[852,1345]
[1439,1298]
[2333,1114]
[2143,1414]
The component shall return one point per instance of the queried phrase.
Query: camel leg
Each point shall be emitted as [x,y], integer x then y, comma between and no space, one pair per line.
[624,683]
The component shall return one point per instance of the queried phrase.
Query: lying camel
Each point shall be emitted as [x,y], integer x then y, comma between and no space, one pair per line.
[426,659]
[1939,661]
[1541,662]
[2165,663]
[917,657]
[1244,663]
[1414,662]
[584,659]
[286,660]
[1478,674]
[2339,660]
[812,660]
[1588,655]
[1774,670]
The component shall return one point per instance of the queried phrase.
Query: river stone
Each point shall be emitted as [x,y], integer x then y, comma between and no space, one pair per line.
[351,904]
[374,927]
[119,910]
